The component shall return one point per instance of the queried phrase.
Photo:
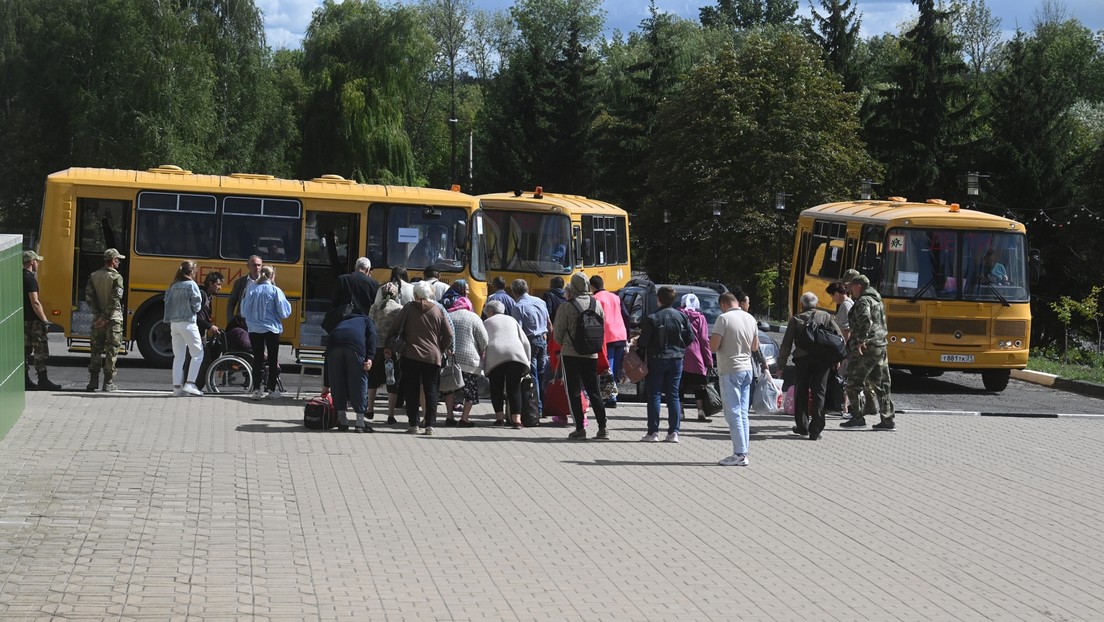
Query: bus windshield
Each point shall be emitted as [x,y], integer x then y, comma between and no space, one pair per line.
[942,264]
[527,242]
[420,237]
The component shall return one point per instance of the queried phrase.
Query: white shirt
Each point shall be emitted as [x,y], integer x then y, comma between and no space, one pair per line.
[737,330]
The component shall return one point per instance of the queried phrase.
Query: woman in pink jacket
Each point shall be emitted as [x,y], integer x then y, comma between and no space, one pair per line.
[699,359]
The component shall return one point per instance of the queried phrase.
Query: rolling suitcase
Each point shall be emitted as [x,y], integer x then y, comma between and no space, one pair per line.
[530,405]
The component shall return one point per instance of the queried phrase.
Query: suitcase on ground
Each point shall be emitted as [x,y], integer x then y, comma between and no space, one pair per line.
[319,414]
[555,400]
[530,405]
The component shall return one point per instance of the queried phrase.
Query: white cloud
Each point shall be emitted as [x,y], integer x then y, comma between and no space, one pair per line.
[286,20]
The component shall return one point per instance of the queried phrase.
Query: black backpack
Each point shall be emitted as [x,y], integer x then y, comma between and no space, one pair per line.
[590,329]
[819,341]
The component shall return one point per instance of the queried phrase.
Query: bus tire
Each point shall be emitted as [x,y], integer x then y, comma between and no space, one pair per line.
[153,337]
[995,380]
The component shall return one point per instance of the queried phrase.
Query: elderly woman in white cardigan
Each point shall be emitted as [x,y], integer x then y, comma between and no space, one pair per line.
[469,343]
[507,361]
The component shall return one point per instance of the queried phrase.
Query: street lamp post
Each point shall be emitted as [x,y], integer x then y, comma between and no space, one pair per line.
[667,246]
[717,205]
[780,208]
[453,121]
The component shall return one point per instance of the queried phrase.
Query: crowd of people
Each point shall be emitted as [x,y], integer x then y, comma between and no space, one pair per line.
[422,342]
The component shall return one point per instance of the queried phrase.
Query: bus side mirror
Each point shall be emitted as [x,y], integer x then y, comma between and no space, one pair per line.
[1035,268]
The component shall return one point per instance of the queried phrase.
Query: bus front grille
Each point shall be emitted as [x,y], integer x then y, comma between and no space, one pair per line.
[1009,328]
[950,326]
[905,324]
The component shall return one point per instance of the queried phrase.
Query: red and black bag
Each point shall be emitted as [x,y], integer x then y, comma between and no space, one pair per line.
[319,413]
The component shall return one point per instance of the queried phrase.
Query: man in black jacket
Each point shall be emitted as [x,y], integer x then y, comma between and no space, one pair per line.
[664,336]
[357,287]
[811,370]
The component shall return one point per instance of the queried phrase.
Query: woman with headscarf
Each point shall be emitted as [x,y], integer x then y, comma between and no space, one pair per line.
[698,359]
[507,361]
[459,289]
[383,313]
[403,286]
[469,344]
[427,333]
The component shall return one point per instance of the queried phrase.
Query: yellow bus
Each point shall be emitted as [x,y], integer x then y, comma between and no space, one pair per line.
[536,236]
[954,281]
[310,231]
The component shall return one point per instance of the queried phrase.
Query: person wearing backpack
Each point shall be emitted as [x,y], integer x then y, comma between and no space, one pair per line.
[664,336]
[811,366]
[580,330]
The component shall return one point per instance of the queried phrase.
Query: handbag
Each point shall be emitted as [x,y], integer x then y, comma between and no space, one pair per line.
[712,402]
[633,367]
[334,316]
[452,377]
[396,343]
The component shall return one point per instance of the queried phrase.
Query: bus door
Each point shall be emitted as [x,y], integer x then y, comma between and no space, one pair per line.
[102,224]
[332,245]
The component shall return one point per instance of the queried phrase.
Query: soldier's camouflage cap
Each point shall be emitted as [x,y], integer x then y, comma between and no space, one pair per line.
[849,276]
[29,256]
[111,253]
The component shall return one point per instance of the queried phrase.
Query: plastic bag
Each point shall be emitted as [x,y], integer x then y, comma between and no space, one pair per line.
[768,395]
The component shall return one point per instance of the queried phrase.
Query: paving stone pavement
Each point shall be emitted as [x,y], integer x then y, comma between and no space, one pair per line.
[143,506]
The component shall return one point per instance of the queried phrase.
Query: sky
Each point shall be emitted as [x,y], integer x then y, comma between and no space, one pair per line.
[287,20]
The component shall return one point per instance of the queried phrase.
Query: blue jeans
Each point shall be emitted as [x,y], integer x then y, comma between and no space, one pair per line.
[663,377]
[615,352]
[539,352]
[736,395]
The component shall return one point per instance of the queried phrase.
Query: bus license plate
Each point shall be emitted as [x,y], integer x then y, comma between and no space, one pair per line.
[957,358]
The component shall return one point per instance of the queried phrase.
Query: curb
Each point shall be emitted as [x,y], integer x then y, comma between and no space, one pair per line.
[1018,415]
[1090,389]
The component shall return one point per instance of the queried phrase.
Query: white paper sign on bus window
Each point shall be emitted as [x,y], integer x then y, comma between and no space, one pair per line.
[408,235]
[908,280]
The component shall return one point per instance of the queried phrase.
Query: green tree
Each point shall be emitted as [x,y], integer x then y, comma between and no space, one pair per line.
[835,31]
[743,14]
[764,118]
[918,125]
[362,63]
[980,33]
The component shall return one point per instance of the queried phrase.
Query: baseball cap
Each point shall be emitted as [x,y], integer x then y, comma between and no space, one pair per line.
[849,276]
[29,256]
[111,253]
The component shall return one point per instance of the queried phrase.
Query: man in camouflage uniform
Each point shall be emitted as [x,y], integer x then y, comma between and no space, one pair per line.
[104,294]
[36,347]
[868,369]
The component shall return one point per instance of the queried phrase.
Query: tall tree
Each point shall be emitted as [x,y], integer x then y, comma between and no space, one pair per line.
[447,22]
[980,33]
[362,61]
[835,31]
[765,118]
[918,126]
[743,14]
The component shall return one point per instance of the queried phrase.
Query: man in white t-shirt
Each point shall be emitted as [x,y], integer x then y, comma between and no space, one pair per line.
[735,336]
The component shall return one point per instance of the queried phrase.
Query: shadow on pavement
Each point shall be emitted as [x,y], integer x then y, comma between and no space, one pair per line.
[604,463]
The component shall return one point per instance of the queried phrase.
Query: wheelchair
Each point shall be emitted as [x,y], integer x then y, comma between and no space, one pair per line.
[232,371]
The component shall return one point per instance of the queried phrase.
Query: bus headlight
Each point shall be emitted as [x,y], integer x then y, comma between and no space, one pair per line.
[893,338]
[1019,344]
[912,340]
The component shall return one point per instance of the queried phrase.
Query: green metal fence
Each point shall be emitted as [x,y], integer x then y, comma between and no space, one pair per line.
[12,396]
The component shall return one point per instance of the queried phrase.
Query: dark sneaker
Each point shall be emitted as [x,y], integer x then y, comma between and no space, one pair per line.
[854,423]
[886,424]
[602,435]
[610,404]
[704,419]
[798,431]
[392,421]
[450,423]
[466,424]
[577,435]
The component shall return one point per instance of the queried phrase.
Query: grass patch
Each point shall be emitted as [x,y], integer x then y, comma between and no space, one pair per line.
[1066,370]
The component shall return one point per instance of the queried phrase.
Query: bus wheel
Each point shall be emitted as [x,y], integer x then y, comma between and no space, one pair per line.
[995,380]
[154,338]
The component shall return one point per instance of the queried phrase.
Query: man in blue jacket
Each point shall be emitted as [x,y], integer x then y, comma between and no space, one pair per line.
[664,336]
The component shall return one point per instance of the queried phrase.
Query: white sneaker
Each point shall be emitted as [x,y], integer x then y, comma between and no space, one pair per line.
[191,389]
[178,392]
[734,460]
[258,394]
[275,394]
[650,438]
[671,438]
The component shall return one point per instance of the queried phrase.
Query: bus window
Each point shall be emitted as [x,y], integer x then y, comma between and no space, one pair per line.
[420,237]
[175,225]
[377,233]
[622,240]
[994,266]
[870,254]
[826,252]
[331,247]
[921,263]
[269,228]
[102,224]
[478,268]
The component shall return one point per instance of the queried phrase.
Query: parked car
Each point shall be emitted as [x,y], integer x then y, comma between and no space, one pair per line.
[638,297]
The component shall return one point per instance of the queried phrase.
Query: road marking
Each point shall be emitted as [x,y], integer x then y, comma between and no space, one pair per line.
[975,413]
